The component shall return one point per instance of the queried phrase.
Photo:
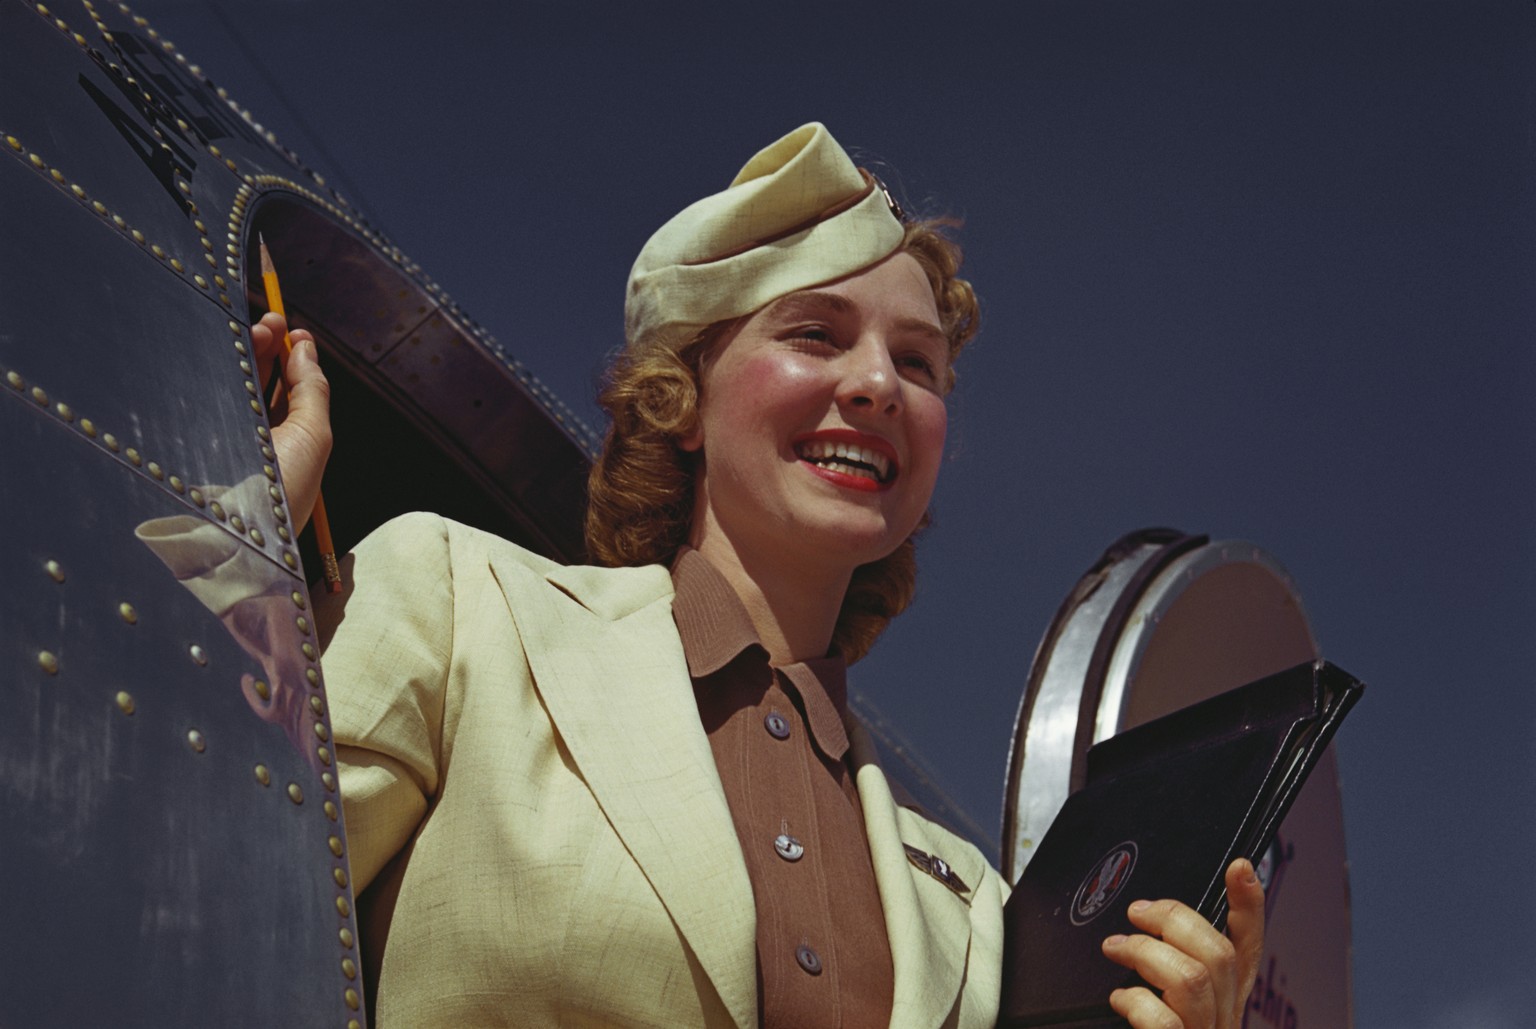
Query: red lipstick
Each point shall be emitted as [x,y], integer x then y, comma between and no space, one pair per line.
[868,463]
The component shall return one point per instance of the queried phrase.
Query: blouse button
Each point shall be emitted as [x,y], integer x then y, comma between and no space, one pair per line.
[788,848]
[777,725]
[808,959]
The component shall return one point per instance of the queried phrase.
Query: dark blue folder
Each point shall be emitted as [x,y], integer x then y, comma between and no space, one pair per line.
[1166,807]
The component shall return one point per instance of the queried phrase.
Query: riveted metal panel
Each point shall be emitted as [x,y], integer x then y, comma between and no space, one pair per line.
[170,830]
[151,845]
[107,329]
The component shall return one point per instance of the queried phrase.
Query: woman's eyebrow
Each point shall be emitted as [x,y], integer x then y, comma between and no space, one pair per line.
[922,326]
[812,301]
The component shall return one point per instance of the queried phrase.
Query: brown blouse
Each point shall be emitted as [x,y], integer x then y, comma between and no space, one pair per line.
[823,958]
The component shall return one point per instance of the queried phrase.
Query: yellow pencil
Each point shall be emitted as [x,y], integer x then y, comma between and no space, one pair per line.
[322,523]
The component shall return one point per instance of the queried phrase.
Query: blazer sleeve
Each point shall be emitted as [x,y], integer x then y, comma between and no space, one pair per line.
[387,642]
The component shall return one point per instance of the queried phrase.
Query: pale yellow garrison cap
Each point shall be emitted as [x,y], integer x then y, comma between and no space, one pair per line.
[797,215]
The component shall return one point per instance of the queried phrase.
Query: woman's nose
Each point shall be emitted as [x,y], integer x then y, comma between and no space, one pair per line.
[870,381]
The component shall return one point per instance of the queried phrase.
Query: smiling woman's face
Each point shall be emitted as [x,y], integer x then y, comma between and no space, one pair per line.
[822,421]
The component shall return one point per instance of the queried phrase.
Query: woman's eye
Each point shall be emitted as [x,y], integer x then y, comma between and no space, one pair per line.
[813,334]
[920,364]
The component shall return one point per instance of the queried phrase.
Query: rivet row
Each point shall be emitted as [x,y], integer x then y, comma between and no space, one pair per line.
[65,413]
[82,195]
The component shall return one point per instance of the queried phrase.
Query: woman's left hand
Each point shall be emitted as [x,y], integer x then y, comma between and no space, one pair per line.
[1203,976]
[302,435]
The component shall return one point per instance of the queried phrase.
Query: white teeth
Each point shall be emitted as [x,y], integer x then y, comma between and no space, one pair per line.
[827,452]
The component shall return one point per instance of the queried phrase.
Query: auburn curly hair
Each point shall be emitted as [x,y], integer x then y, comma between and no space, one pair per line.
[640,491]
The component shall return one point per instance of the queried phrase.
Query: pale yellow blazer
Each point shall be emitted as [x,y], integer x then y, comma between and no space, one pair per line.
[531,795]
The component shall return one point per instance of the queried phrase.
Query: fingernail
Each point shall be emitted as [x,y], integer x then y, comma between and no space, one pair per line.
[1141,905]
[1114,941]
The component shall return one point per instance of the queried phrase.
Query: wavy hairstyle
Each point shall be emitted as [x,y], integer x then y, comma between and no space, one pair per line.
[640,491]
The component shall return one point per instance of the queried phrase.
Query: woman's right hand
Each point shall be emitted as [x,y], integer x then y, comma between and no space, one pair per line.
[1200,977]
[302,438]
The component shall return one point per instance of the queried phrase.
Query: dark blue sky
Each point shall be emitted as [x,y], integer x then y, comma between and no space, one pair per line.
[1259,270]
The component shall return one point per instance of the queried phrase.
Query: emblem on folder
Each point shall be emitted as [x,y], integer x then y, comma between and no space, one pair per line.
[1102,885]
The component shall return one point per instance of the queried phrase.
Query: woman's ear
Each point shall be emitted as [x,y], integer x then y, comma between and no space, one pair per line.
[692,441]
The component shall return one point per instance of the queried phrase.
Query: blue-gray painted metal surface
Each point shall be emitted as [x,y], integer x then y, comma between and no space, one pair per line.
[172,848]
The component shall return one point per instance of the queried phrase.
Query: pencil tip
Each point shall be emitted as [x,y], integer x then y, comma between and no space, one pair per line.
[267,268]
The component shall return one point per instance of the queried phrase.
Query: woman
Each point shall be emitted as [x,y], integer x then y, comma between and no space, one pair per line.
[633,795]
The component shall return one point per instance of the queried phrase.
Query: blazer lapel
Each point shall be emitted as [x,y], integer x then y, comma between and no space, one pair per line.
[928,923]
[608,664]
